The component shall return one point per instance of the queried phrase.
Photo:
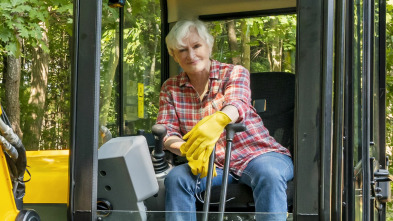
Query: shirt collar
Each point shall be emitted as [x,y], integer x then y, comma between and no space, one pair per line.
[214,73]
[183,79]
[215,70]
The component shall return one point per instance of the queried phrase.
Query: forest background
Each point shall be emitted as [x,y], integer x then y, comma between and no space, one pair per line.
[35,64]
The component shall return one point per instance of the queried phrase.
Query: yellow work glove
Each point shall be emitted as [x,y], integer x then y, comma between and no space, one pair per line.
[204,136]
[183,150]
[200,166]
[184,147]
[201,140]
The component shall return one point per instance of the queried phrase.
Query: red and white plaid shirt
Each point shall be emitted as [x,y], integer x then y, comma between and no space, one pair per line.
[181,108]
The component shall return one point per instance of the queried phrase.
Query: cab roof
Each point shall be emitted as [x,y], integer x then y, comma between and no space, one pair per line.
[190,9]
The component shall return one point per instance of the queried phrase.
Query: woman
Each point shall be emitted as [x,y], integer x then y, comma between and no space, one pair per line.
[195,106]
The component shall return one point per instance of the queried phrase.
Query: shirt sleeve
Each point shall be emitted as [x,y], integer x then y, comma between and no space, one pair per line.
[167,114]
[237,91]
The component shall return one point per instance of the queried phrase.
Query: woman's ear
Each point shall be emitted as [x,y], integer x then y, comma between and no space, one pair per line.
[174,58]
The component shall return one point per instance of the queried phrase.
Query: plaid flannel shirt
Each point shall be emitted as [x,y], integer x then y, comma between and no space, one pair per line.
[181,108]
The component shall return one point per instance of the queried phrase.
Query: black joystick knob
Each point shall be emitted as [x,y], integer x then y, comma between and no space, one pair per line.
[140,132]
[158,155]
[231,129]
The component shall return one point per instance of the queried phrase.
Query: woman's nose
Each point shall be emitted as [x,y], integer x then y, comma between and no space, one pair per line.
[191,54]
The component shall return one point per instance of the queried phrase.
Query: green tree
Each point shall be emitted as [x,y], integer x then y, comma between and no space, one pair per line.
[109,62]
[264,43]
[389,92]
[141,64]
[20,19]
[56,122]
[30,30]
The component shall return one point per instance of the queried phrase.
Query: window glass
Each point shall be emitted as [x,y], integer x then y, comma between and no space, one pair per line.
[141,65]
[374,119]
[109,71]
[261,44]
[129,95]
[357,64]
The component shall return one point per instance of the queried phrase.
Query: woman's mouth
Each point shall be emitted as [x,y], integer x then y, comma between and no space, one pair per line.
[193,62]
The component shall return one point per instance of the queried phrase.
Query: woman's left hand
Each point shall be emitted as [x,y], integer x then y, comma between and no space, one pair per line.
[204,134]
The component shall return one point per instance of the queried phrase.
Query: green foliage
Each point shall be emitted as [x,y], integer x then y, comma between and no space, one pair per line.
[143,58]
[27,20]
[21,18]
[389,75]
[389,93]
[141,64]
[24,18]
[266,34]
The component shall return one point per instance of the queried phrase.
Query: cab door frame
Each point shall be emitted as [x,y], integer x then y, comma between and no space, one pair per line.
[85,110]
[365,70]
[313,110]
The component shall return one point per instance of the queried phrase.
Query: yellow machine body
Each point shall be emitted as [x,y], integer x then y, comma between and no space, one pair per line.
[49,181]
[8,210]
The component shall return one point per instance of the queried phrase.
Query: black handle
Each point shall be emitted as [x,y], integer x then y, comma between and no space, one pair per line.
[234,128]
[159,132]
[140,132]
[158,155]
[231,129]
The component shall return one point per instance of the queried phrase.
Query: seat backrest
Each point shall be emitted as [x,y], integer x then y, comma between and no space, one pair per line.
[275,96]
[277,91]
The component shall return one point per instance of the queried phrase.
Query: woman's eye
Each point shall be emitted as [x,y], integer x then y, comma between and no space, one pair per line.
[197,46]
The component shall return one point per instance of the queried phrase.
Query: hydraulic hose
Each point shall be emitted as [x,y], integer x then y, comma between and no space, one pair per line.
[9,135]
[16,158]
[105,134]
[8,148]
[11,144]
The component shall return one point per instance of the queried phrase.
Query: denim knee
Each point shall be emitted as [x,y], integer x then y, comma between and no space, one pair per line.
[180,177]
[270,169]
[271,183]
[268,175]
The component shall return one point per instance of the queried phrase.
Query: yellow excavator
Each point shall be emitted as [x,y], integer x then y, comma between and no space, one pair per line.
[12,175]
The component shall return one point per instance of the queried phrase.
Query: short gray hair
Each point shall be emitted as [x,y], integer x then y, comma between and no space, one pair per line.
[174,39]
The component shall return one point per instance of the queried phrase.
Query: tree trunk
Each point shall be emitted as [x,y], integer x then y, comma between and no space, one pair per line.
[153,63]
[108,78]
[12,84]
[39,83]
[245,45]
[275,55]
[233,42]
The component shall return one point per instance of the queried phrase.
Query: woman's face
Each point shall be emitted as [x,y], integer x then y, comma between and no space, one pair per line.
[193,57]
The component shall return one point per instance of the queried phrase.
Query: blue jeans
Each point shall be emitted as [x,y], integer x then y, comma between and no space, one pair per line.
[267,175]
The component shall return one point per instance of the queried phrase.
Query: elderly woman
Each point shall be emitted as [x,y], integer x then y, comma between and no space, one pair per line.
[195,106]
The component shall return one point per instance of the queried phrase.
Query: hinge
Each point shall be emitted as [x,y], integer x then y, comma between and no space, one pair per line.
[380,183]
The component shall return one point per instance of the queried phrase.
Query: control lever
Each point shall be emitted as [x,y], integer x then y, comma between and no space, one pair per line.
[140,132]
[231,129]
[158,155]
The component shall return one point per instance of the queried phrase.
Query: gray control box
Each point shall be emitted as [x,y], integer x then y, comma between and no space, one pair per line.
[126,177]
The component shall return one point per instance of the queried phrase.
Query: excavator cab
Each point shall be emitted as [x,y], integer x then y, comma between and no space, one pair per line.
[334,125]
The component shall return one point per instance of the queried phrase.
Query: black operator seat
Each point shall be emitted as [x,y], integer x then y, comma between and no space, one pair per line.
[277,91]
[273,96]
